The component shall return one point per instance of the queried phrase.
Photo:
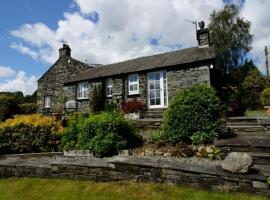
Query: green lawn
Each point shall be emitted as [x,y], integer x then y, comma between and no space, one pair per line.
[256,113]
[44,189]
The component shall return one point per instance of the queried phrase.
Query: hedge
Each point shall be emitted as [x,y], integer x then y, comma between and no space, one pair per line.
[29,133]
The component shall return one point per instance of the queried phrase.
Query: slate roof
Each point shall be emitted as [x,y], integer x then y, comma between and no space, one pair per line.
[184,56]
[65,57]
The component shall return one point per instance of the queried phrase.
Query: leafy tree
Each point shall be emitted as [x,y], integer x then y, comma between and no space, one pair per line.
[8,106]
[252,86]
[31,98]
[231,36]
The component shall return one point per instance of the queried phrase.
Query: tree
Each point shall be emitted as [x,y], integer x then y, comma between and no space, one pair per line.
[252,86]
[231,37]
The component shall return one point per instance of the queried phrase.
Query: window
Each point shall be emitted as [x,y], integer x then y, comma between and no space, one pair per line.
[133,84]
[83,90]
[109,85]
[47,103]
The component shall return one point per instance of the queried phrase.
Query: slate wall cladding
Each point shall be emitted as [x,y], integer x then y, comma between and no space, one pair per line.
[177,80]
[183,78]
[52,83]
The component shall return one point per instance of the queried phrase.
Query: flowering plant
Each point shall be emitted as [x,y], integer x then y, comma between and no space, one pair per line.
[132,106]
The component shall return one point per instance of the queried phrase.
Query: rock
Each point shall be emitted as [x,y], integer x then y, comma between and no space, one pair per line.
[167,155]
[149,152]
[259,184]
[209,149]
[237,162]
[158,153]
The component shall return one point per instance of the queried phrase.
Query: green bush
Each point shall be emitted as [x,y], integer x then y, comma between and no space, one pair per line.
[70,137]
[110,107]
[8,106]
[193,115]
[28,108]
[103,134]
[265,97]
[29,133]
[97,100]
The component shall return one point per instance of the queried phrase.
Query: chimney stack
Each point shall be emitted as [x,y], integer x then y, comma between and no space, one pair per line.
[203,36]
[65,51]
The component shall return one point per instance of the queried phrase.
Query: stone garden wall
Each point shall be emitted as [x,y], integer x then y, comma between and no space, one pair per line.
[128,168]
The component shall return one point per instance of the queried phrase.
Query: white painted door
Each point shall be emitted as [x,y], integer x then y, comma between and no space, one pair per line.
[157,89]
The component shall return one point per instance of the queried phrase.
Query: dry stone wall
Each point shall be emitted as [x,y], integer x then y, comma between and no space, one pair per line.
[128,168]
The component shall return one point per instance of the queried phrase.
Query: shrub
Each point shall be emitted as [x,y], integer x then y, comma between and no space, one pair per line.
[103,134]
[132,106]
[70,137]
[110,107]
[28,108]
[265,97]
[193,115]
[8,106]
[97,99]
[29,133]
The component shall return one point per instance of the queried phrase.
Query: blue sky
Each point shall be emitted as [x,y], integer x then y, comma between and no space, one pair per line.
[102,31]
[13,14]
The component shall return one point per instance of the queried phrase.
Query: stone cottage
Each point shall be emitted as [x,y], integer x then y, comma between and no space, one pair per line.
[153,80]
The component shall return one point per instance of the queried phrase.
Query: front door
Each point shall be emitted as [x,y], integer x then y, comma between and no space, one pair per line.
[157,89]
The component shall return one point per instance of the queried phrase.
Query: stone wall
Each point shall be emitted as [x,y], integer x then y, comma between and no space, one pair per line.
[177,78]
[130,168]
[183,78]
[52,83]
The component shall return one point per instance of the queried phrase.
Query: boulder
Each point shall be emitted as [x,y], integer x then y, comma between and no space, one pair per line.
[237,162]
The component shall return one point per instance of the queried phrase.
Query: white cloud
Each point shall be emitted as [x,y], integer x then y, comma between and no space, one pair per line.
[6,72]
[123,30]
[258,13]
[20,82]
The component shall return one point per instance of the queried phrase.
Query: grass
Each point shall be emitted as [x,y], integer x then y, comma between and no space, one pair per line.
[255,113]
[41,189]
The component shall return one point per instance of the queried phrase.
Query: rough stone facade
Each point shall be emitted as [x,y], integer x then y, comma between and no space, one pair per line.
[128,168]
[52,82]
[183,69]
[177,79]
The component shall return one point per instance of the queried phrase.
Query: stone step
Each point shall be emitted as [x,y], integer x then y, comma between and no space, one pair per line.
[246,128]
[247,119]
[265,169]
[243,124]
[260,158]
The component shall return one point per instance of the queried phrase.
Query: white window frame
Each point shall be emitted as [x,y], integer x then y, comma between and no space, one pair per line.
[131,82]
[109,86]
[47,101]
[163,87]
[83,90]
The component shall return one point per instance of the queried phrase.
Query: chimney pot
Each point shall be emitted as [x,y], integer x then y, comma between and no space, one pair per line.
[65,51]
[203,35]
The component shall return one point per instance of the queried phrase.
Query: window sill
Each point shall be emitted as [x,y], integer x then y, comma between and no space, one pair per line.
[109,96]
[133,93]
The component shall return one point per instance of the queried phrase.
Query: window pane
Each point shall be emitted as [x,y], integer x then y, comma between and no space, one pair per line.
[152,85]
[157,76]
[157,85]
[152,94]
[151,77]
[157,101]
[152,101]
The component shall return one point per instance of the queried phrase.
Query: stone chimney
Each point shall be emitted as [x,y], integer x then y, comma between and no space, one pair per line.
[65,51]
[203,36]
